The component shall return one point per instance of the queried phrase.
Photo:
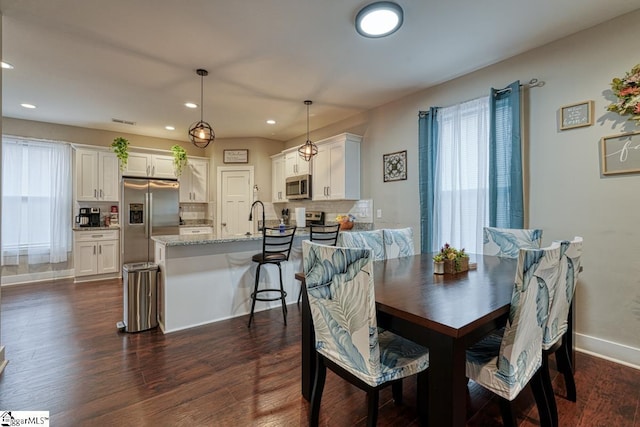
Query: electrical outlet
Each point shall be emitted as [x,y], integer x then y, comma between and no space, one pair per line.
[379,213]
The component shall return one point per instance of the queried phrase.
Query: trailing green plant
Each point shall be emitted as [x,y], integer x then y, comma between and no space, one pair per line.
[120,146]
[179,159]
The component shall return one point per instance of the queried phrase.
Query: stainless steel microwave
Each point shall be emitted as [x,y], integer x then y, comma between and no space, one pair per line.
[298,187]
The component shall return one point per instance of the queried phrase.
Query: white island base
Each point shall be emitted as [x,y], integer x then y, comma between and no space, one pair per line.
[203,279]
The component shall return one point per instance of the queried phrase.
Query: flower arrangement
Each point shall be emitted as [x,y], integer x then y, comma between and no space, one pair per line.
[627,89]
[458,257]
[346,221]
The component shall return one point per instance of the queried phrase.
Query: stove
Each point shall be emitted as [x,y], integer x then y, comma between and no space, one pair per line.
[314,217]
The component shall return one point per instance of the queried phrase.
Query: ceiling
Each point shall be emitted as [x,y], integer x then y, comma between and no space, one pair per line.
[84,63]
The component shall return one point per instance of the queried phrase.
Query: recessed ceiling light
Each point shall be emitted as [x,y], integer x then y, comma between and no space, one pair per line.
[190,105]
[6,65]
[271,122]
[379,19]
[170,128]
[31,106]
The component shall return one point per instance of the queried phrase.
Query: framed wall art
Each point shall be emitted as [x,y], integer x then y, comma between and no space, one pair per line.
[576,115]
[620,153]
[395,166]
[236,156]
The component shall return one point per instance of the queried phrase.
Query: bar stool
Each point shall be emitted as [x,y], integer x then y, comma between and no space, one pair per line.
[276,248]
[324,235]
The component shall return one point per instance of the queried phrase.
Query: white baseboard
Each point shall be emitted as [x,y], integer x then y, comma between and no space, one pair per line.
[20,279]
[615,352]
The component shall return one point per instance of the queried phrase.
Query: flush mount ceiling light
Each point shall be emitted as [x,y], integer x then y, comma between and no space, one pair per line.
[308,149]
[201,133]
[379,19]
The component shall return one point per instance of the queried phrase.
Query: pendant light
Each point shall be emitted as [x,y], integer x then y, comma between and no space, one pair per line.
[201,133]
[308,149]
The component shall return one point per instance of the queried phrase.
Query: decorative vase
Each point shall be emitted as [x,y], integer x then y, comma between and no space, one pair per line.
[450,265]
[438,267]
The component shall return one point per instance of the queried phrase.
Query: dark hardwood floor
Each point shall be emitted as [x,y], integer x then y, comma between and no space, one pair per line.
[66,356]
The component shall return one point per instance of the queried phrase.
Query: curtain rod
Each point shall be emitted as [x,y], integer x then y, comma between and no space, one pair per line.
[532,83]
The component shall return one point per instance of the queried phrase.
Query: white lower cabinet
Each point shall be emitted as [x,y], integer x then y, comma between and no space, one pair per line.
[96,253]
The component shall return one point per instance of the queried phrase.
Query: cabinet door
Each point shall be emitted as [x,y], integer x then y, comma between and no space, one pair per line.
[199,180]
[85,258]
[108,177]
[337,181]
[290,164]
[86,168]
[277,180]
[108,260]
[186,195]
[138,164]
[162,166]
[303,165]
[321,181]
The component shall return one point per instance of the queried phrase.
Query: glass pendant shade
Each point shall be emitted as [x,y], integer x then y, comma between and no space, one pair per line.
[201,133]
[308,149]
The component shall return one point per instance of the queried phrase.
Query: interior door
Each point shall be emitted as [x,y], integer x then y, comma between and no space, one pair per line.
[235,202]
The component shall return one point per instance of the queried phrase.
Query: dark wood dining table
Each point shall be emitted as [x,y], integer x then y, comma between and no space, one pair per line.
[446,313]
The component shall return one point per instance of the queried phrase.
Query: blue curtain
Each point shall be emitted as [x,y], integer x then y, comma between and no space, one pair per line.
[427,155]
[506,205]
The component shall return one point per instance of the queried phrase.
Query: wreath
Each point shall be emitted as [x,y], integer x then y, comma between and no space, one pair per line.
[627,90]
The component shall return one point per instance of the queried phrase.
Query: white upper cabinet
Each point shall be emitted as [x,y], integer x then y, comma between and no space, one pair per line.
[294,164]
[149,166]
[278,164]
[336,168]
[194,181]
[97,176]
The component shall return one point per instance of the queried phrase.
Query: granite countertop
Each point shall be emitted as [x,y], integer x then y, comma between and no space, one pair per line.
[205,239]
[114,227]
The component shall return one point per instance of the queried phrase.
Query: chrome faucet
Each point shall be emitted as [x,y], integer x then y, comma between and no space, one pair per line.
[251,213]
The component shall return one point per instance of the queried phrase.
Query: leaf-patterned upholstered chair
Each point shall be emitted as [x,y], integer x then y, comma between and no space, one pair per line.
[398,242]
[553,338]
[373,240]
[506,364]
[505,242]
[324,235]
[341,297]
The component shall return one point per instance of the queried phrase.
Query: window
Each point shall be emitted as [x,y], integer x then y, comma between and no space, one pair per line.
[36,201]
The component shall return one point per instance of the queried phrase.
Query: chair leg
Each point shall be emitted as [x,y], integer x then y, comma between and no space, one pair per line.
[550,397]
[283,296]
[316,392]
[396,391]
[300,294]
[372,408]
[508,415]
[254,294]
[542,400]
[564,365]
[423,397]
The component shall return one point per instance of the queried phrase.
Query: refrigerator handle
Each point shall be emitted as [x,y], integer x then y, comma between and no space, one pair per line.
[146,215]
[150,222]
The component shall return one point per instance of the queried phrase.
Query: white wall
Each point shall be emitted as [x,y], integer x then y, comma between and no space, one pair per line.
[567,194]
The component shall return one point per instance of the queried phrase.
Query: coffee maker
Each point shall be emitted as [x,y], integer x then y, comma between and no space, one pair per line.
[94,217]
[83,218]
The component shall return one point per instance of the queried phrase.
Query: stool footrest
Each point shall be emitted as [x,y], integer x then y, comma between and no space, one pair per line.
[255,296]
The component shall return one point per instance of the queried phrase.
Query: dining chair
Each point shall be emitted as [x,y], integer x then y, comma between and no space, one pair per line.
[373,240]
[324,235]
[398,242]
[505,242]
[556,326]
[341,297]
[505,364]
[276,248]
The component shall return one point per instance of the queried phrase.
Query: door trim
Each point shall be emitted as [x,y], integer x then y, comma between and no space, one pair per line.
[219,171]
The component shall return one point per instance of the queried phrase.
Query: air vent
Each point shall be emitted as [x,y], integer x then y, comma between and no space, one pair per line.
[124,122]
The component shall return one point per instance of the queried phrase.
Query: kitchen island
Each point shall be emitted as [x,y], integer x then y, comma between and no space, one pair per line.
[204,279]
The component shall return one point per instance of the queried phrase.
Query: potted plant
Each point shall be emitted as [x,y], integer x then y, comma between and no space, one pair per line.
[453,260]
[438,264]
[120,146]
[179,159]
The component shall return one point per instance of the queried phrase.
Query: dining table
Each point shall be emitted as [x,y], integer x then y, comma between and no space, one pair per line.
[446,313]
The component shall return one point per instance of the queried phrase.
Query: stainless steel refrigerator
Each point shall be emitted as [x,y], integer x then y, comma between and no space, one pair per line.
[151,208]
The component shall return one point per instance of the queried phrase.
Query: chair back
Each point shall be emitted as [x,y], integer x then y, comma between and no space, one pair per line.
[276,245]
[398,242]
[505,242]
[373,240]
[520,350]
[557,322]
[324,234]
[341,296]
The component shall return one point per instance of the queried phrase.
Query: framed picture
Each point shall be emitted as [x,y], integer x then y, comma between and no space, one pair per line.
[576,115]
[395,166]
[236,156]
[621,153]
